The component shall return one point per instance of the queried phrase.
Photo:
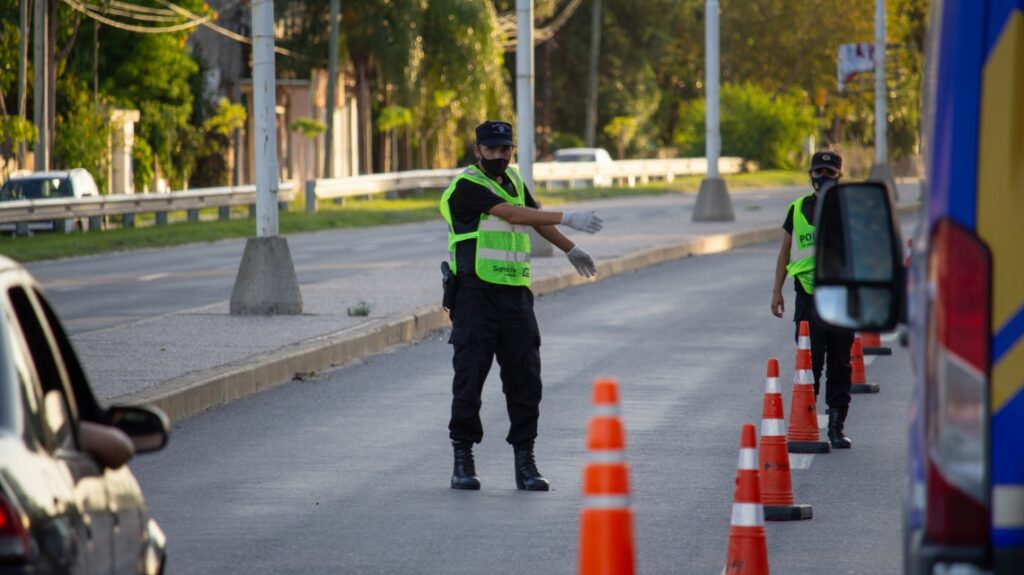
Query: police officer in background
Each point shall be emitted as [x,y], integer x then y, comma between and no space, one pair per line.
[796,259]
[487,208]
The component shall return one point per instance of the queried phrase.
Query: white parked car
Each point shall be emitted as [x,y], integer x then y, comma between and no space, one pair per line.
[598,156]
[73,183]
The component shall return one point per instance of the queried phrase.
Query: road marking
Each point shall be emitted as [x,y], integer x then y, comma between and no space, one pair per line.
[151,277]
[800,460]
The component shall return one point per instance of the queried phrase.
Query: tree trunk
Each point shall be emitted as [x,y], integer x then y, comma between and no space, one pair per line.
[362,65]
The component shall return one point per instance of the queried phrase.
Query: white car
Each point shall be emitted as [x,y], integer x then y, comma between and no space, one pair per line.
[74,183]
[598,156]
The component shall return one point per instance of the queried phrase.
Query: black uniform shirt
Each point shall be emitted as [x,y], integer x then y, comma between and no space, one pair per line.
[808,211]
[466,203]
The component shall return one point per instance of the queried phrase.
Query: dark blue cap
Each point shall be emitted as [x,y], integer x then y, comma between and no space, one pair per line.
[827,159]
[494,133]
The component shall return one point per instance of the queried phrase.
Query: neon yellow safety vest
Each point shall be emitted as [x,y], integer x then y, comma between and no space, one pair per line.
[502,249]
[801,251]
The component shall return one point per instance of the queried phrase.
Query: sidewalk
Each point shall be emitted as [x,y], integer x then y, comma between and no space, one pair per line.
[190,361]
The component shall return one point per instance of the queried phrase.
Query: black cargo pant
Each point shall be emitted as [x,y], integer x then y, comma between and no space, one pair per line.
[827,346]
[489,323]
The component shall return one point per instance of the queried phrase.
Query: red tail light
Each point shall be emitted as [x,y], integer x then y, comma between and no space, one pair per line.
[14,543]
[958,499]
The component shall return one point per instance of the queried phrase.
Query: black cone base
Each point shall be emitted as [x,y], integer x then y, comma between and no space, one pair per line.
[877,351]
[809,447]
[787,512]
[864,388]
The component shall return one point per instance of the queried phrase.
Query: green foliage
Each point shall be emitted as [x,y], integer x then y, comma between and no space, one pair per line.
[393,117]
[82,132]
[622,130]
[16,130]
[308,127]
[229,117]
[142,165]
[754,126]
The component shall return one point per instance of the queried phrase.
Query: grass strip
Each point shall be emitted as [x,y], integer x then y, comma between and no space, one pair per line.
[354,213]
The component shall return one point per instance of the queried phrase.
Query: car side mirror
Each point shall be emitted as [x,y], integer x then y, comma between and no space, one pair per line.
[147,426]
[858,271]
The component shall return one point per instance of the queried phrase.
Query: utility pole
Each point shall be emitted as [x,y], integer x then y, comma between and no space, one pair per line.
[525,108]
[40,107]
[332,90]
[881,171]
[713,202]
[23,75]
[266,282]
[595,49]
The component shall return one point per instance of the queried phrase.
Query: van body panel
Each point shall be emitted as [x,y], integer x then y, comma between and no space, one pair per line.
[1000,206]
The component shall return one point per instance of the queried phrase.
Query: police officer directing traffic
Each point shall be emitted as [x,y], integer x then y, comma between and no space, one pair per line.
[797,259]
[487,208]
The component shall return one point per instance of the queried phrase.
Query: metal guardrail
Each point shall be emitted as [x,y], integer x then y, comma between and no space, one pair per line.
[94,208]
[64,212]
[544,173]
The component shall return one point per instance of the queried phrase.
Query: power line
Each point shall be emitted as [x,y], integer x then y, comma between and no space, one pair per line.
[132,27]
[506,26]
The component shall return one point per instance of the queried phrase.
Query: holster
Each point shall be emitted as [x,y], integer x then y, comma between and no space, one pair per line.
[450,284]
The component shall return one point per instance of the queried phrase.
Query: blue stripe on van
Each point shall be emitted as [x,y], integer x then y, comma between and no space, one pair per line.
[1007,336]
[954,161]
[999,15]
[1008,537]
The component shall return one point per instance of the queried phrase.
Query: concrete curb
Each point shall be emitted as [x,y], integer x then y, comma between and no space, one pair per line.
[192,393]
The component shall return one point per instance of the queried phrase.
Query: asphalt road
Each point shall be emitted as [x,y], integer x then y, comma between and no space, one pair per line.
[348,472]
[92,293]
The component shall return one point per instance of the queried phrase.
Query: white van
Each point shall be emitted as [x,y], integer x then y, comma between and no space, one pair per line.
[73,183]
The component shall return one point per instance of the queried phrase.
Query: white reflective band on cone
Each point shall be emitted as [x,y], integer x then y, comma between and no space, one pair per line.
[804,377]
[606,410]
[748,459]
[804,342]
[771,385]
[1008,506]
[606,456]
[607,502]
[747,515]
[773,427]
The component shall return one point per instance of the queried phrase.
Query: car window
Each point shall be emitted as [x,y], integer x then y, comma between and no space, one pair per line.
[36,189]
[48,366]
[36,429]
[85,402]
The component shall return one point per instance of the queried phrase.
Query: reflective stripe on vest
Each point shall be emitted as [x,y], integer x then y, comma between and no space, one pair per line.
[801,250]
[502,249]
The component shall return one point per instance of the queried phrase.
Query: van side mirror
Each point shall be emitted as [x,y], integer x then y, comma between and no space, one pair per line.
[858,275]
[147,426]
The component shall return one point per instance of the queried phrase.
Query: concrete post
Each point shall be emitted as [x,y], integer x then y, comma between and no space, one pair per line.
[39,65]
[713,201]
[539,247]
[266,283]
[880,170]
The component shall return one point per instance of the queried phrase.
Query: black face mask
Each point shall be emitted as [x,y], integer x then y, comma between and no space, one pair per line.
[495,167]
[822,183]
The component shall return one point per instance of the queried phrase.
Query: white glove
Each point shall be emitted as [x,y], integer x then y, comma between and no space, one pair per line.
[583,221]
[582,261]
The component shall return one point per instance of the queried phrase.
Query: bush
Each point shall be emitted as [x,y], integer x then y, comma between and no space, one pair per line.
[755,125]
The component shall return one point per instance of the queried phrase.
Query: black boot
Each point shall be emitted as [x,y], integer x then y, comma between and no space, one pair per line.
[464,474]
[527,476]
[836,420]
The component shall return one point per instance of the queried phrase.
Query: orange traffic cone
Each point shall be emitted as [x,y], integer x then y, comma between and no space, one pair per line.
[804,436]
[773,456]
[858,377]
[872,342]
[748,547]
[606,521]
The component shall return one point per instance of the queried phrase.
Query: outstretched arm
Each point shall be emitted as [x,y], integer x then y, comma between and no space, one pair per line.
[778,303]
